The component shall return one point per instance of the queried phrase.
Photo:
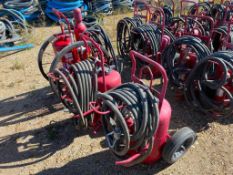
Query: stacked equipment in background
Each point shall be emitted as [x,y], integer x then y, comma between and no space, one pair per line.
[30,9]
[13,30]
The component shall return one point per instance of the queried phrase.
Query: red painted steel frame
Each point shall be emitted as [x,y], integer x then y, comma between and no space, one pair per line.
[158,12]
[210,20]
[134,78]
[85,38]
[61,16]
[161,135]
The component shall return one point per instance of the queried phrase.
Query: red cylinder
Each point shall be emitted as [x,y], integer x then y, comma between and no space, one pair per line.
[112,79]
[165,42]
[161,135]
[59,44]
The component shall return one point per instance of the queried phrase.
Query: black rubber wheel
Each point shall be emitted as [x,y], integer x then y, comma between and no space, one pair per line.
[178,144]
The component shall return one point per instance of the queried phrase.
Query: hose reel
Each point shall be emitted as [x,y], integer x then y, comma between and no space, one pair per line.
[180,57]
[209,86]
[132,127]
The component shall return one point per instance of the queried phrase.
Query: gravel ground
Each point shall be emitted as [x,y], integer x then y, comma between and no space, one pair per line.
[38,137]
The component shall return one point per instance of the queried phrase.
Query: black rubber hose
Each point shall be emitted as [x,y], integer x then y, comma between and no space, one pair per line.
[168,14]
[97,33]
[218,36]
[124,28]
[76,87]
[80,86]
[175,58]
[170,34]
[180,24]
[62,82]
[141,106]
[146,39]
[87,77]
[57,61]
[40,59]
[209,86]
[218,13]
[175,24]
[204,7]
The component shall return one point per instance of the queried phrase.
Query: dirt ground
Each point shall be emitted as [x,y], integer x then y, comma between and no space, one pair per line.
[38,137]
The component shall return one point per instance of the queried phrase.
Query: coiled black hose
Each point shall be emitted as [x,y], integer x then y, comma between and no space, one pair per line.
[141,108]
[124,37]
[185,26]
[181,56]
[97,33]
[218,37]
[175,24]
[169,33]
[80,48]
[201,8]
[76,87]
[168,14]
[217,12]
[146,39]
[209,86]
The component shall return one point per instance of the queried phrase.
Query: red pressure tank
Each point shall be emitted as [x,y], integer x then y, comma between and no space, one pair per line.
[161,135]
[112,80]
[62,41]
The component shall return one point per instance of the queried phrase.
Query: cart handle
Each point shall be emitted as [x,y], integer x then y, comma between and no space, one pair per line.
[159,67]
